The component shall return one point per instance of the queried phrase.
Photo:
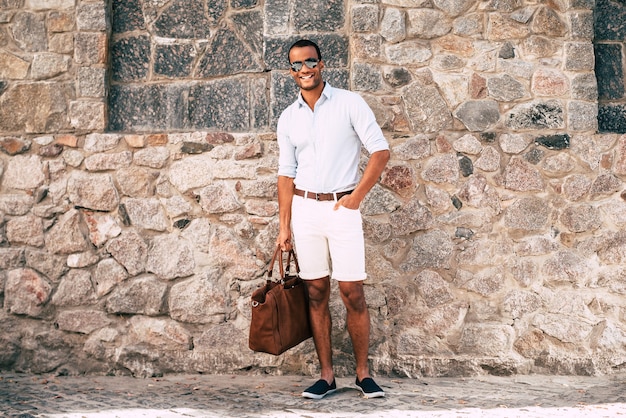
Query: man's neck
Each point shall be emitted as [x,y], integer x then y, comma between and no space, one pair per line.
[312,96]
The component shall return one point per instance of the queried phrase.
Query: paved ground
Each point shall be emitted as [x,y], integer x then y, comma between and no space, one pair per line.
[180,396]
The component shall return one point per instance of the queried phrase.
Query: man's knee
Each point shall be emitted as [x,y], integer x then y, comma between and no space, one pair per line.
[353,295]
[318,291]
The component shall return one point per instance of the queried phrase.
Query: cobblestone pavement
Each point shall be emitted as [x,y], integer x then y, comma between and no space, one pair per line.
[178,396]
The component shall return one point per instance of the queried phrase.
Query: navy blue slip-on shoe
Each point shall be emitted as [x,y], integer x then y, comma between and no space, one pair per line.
[320,389]
[369,388]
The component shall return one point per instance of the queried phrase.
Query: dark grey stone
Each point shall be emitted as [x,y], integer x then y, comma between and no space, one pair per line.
[609,71]
[174,60]
[536,115]
[187,19]
[226,55]
[147,108]
[182,223]
[130,58]
[284,91]
[3,86]
[610,19]
[534,156]
[398,77]
[243,4]
[507,51]
[334,49]
[250,23]
[612,118]
[320,16]
[456,202]
[195,147]
[488,137]
[560,141]
[222,104]
[466,166]
[127,16]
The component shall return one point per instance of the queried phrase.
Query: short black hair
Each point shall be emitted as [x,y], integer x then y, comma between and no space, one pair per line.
[304,43]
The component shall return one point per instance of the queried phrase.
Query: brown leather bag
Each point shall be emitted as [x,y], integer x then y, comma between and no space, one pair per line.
[280,310]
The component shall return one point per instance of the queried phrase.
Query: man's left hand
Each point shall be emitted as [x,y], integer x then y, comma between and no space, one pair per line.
[349,201]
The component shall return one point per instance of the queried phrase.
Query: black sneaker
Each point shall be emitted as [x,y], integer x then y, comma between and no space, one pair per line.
[320,389]
[369,388]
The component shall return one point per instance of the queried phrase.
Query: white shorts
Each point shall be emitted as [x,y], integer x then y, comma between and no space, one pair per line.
[319,232]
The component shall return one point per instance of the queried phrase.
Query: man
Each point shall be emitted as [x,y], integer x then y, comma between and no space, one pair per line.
[319,192]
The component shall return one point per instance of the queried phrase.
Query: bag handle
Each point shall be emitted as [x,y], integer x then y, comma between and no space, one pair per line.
[278,253]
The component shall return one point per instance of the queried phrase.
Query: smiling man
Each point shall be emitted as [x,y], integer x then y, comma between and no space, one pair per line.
[320,137]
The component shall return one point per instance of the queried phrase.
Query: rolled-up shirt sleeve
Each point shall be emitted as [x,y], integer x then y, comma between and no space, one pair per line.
[366,127]
[287,162]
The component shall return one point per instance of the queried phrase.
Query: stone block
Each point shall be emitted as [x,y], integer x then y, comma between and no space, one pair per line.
[91,82]
[144,295]
[130,58]
[24,172]
[582,25]
[364,17]
[226,54]
[199,300]
[505,88]
[87,115]
[59,21]
[366,77]
[146,213]
[582,116]
[13,67]
[609,71]
[47,65]
[546,21]
[61,43]
[127,16]
[75,289]
[538,114]
[90,48]
[478,115]
[91,17]
[174,60]
[393,25]
[25,292]
[612,14]
[427,23]
[170,257]
[529,213]
[222,104]
[92,191]
[579,56]
[276,13]
[328,16]
[29,31]
[187,19]
[130,250]
[82,321]
[612,118]
[584,87]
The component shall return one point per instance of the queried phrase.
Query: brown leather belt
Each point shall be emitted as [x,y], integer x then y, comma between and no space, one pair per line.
[322,197]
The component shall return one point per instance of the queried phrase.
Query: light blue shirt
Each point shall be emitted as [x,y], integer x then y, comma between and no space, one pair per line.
[320,149]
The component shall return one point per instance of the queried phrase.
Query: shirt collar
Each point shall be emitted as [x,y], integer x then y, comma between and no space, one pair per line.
[326,93]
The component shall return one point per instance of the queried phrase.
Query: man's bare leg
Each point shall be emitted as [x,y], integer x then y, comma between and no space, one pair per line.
[358,321]
[321,324]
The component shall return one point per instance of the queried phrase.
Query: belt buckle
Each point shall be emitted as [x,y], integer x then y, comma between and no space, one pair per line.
[317,196]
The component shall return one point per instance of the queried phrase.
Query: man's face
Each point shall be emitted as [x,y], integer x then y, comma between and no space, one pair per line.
[307,78]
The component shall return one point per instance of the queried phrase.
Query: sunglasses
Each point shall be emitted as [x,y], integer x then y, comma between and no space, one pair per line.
[309,62]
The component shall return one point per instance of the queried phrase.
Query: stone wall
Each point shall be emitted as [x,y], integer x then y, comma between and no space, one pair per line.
[138,207]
